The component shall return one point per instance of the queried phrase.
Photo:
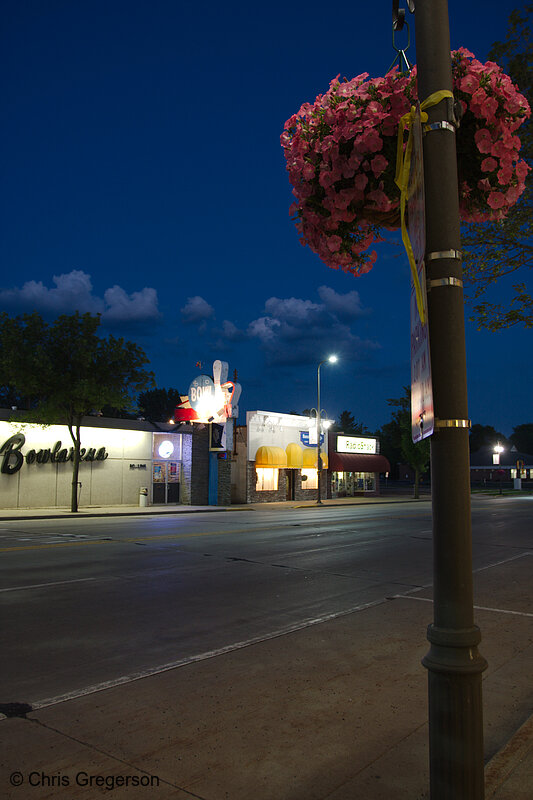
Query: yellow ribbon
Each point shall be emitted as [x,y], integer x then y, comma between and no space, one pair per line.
[403,167]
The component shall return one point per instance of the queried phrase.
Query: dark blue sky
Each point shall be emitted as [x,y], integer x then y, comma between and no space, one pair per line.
[142,177]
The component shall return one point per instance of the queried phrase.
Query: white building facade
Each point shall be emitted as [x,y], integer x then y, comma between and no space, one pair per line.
[122,461]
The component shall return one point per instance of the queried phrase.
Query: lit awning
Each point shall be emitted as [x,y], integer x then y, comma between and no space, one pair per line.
[295,456]
[358,462]
[184,414]
[270,456]
[309,458]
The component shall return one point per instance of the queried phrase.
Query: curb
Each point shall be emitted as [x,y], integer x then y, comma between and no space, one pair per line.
[509,759]
[85,514]
[201,509]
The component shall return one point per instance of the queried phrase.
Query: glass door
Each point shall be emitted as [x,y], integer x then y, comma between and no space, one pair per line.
[165,482]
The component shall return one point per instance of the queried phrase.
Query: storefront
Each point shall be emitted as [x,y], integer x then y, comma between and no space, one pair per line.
[276,458]
[123,462]
[355,465]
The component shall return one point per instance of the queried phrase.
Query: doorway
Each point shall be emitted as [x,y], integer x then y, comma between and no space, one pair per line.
[165,482]
[290,483]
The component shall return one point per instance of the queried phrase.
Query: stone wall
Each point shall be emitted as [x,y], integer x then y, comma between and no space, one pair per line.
[300,493]
[199,495]
[224,481]
[186,469]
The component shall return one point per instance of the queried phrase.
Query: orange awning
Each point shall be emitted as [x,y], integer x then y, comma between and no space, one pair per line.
[270,456]
[294,456]
[310,456]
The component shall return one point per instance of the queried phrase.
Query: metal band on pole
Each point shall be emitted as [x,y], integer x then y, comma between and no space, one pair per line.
[443,125]
[450,281]
[455,255]
[453,423]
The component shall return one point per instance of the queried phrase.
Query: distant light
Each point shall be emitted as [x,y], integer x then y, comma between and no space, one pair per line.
[498,448]
[326,423]
[332,359]
[171,421]
[166,449]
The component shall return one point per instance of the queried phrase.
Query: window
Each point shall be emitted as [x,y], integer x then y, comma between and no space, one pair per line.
[312,479]
[267,479]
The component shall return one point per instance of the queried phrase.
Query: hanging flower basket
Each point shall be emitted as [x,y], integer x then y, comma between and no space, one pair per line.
[341,157]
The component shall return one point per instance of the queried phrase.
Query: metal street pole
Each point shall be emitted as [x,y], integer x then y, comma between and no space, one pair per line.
[318,422]
[453,662]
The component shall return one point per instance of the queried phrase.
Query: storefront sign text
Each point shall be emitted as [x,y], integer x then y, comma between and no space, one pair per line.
[13,458]
[354,444]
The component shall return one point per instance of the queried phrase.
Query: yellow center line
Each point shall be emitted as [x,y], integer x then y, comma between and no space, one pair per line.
[176,536]
[153,538]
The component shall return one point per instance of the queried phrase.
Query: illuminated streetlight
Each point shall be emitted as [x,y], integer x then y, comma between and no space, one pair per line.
[331,360]
[498,449]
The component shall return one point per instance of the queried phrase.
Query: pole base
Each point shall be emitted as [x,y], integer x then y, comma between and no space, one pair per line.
[455,714]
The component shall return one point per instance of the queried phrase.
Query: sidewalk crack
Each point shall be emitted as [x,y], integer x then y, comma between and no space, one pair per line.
[103,752]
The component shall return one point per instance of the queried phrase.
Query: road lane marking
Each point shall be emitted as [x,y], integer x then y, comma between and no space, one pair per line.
[51,545]
[44,585]
[504,561]
[166,537]
[476,608]
[136,676]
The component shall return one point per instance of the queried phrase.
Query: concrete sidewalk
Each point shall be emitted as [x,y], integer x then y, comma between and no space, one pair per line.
[336,710]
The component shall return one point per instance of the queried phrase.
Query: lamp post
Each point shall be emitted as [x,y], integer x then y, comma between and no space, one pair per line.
[498,449]
[330,360]
[453,662]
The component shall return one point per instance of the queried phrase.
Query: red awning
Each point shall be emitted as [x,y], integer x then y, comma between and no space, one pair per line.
[357,462]
[184,414]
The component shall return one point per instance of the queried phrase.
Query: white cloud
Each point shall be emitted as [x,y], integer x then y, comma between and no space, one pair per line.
[299,331]
[231,332]
[196,310]
[292,309]
[124,307]
[265,328]
[346,307]
[73,291]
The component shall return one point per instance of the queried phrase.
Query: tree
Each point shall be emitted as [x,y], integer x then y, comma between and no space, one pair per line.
[522,437]
[494,250]
[69,371]
[483,436]
[397,434]
[158,405]
[347,424]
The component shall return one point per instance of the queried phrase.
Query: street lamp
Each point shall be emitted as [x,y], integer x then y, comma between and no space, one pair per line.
[330,360]
[498,449]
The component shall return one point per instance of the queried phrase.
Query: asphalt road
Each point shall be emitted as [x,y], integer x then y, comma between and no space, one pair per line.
[99,601]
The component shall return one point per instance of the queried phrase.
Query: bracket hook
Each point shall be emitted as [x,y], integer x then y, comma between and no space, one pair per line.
[398,23]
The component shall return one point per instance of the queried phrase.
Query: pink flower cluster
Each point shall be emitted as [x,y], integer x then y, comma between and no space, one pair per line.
[341,154]
[341,157]
[491,174]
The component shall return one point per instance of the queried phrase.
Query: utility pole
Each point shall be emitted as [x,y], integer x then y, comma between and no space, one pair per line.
[453,662]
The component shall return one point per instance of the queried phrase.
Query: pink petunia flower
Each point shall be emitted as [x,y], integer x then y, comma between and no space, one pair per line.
[483,140]
[334,243]
[496,200]
[488,164]
[379,164]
